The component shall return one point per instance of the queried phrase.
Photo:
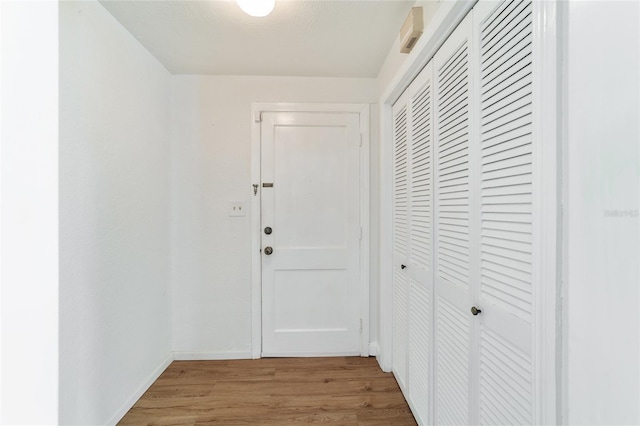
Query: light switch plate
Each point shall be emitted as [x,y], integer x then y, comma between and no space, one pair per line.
[237,208]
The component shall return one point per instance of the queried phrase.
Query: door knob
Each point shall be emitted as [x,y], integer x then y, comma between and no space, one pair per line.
[403,266]
[475,311]
[268,230]
[268,250]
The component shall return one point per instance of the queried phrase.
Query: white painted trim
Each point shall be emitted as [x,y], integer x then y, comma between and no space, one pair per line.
[385,283]
[475,204]
[445,21]
[256,265]
[257,108]
[415,412]
[211,356]
[139,392]
[402,386]
[373,348]
[562,360]
[546,215]
[365,257]
[308,354]
[260,107]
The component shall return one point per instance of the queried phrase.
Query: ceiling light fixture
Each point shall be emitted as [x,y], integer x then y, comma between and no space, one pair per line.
[257,8]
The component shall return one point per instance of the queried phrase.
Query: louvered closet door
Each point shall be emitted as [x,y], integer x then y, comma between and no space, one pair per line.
[420,269]
[400,239]
[506,293]
[453,292]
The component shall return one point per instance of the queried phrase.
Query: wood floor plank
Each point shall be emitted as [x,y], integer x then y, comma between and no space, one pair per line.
[331,418]
[386,416]
[273,391]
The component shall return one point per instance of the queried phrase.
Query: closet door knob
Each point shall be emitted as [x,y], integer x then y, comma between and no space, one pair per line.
[475,311]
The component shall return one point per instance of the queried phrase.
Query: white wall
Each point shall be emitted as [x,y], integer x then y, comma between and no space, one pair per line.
[602,171]
[115,329]
[211,153]
[29,213]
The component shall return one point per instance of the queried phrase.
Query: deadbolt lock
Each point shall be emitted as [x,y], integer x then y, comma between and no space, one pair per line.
[268,230]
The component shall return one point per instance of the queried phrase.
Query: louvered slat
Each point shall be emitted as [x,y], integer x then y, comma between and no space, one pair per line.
[506,169]
[400,186]
[505,383]
[421,186]
[400,326]
[419,348]
[452,378]
[451,253]
[420,94]
[506,127]
[453,169]
[400,241]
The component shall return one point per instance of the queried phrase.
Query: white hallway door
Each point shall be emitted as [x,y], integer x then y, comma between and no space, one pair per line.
[310,171]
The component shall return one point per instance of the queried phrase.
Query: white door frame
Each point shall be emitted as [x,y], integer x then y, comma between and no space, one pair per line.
[547,93]
[257,108]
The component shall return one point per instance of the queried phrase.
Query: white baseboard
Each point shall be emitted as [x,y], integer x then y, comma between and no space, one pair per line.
[138,393]
[307,354]
[383,366]
[210,356]
[417,418]
[373,348]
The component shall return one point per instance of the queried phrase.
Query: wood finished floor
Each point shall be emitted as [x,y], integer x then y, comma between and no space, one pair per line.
[273,391]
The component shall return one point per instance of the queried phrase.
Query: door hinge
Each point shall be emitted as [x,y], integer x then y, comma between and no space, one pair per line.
[360,139]
[361,233]
[257,117]
[360,325]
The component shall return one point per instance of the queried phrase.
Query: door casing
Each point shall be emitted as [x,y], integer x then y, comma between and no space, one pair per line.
[257,108]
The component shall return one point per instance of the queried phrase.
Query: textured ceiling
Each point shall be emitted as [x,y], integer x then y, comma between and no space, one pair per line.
[347,38]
